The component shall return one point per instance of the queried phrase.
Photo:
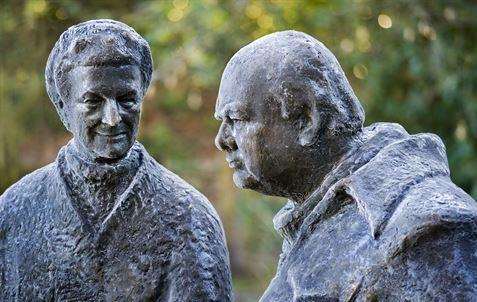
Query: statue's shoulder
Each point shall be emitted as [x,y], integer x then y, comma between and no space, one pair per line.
[26,192]
[431,236]
[31,184]
[406,194]
[432,211]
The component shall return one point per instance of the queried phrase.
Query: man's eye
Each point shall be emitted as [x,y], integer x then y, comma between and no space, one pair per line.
[232,119]
[238,118]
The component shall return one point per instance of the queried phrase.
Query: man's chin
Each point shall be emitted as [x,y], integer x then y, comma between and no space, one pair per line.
[245,180]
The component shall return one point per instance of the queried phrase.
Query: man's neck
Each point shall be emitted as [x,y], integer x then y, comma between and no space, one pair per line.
[323,162]
[289,219]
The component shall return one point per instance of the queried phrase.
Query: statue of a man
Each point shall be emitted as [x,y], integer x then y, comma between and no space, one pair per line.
[372,213]
[105,221]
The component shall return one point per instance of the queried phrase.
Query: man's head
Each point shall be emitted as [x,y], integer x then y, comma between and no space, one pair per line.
[96,76]
[287,112]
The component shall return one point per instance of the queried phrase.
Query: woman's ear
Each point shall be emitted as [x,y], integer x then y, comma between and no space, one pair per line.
[311,125]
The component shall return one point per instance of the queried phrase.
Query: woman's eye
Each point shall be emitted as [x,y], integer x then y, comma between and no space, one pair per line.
[127,102]
[92,101]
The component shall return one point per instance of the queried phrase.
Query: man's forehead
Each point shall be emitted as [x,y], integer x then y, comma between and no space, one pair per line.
[236,85]
[226,106]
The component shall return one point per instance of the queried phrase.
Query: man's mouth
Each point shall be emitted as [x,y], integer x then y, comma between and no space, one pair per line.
[234,163]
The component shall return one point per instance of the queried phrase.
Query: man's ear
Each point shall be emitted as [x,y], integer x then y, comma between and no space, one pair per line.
[311,124]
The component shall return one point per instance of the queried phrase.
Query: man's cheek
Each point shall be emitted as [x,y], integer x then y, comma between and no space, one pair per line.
[253,147]
[255,157]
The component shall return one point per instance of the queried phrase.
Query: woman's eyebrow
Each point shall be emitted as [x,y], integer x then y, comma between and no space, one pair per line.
[128,93]
[92,94]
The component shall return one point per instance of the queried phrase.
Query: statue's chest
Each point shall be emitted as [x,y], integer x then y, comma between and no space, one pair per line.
[127,260]
[327,263]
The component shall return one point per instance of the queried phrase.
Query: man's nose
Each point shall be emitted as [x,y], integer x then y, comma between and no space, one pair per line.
[111,114]
[224,141]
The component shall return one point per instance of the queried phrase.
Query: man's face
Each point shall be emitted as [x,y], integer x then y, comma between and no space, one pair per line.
[104,109]
[260,145]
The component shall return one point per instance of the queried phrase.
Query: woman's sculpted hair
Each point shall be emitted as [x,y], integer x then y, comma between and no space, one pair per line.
[94,43]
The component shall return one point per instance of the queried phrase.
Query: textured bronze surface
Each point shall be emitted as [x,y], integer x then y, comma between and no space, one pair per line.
[372,213]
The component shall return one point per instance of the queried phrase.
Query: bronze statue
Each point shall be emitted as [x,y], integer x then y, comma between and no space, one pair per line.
[105,221]
[372,213]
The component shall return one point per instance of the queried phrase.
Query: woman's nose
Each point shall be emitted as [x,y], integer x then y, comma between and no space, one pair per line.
[111,114]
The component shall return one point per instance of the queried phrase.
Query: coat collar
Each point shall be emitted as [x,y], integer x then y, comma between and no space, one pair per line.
[376,176]
[379,186]
[129,199]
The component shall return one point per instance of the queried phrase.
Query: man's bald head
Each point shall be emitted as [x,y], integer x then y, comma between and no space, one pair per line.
[300,72]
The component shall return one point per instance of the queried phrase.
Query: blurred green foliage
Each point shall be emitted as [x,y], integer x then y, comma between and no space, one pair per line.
[411,62]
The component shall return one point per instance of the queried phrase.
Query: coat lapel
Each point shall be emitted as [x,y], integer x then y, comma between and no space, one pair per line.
[124,207]
[128,203]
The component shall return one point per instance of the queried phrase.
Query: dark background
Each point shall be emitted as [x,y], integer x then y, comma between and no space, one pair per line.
[411,62]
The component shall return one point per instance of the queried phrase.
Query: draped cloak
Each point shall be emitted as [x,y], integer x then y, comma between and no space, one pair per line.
[160,240]
[387,224]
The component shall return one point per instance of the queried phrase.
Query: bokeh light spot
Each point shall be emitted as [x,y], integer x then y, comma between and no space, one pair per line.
[362,33]
[175,15]
[253,11]
[194,101]
[265,22]
[450,14]
[426,30]
[409,34]
[385,21]
[180,4]
[362,39]
[37,7]
[61,14]
[360,71]
[347,45]
[460,131]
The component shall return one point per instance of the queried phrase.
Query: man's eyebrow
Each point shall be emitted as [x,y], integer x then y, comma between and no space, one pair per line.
[219,114]
[237,111]
[228,111]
